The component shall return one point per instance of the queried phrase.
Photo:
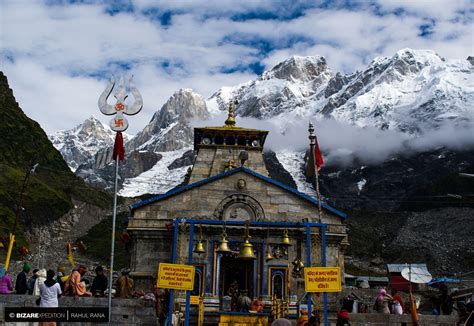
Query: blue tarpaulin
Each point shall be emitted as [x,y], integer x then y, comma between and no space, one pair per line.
[443,280]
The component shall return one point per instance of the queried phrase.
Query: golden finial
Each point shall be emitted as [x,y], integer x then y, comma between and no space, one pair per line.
[230,122]
[230,165]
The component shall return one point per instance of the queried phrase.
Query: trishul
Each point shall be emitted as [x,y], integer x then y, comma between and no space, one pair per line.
[119,123]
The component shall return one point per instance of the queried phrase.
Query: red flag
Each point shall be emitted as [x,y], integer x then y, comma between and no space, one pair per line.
[318,157]
[119,150]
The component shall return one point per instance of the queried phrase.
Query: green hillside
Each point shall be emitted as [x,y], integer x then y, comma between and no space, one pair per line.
[50,189]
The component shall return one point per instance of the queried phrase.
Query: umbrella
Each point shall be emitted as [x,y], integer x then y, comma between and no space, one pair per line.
[443,280]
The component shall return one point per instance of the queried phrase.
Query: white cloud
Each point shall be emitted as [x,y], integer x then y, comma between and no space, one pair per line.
[341,142]
[59,51]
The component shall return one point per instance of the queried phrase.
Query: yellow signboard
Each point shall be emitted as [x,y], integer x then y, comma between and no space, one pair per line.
[322,279]
[175,276]
[194,299]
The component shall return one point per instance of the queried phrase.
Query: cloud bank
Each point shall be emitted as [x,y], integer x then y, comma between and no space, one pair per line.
[342,143]
[59,54]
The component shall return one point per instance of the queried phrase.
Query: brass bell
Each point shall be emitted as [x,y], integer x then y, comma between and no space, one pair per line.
[199,245]
[246,250]
[224,245]
[298,265]
[199,248]
[285,240]
[268,255]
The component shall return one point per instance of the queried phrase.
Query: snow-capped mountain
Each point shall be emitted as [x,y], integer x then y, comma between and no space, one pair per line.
[169,127]
[81,143]
[410,92]
[292,85]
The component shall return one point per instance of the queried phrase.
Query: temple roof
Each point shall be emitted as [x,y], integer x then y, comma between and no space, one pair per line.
[199,183]
[218,135]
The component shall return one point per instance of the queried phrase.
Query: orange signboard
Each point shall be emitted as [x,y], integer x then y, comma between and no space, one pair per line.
[175,276]
[322,279]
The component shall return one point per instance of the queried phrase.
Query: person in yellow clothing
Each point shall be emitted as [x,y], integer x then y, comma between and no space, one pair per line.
[124,285]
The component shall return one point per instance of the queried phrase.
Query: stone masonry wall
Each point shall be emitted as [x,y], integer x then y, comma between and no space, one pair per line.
[212,161]
[399,320]
[131,312]
[200,202]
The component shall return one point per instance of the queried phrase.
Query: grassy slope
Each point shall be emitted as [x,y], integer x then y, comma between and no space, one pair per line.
[51,189]
[98,242]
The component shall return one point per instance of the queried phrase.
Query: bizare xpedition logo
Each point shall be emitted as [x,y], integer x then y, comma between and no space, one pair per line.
[34,314]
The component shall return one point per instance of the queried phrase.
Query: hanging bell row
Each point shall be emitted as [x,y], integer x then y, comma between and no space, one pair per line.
[246,249]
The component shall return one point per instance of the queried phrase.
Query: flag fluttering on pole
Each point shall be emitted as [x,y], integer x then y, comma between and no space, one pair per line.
[9,252]
[70,258]
[119,150]
[414,314]
[318,157]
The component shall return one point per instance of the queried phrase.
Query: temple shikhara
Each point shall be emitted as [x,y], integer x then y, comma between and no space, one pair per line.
[246,234]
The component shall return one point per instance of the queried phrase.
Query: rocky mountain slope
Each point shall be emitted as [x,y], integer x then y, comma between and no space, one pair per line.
[51,192]
[395,136]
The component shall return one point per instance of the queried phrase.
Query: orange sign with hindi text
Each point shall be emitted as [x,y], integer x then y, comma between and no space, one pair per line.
[175,276]
[322,279]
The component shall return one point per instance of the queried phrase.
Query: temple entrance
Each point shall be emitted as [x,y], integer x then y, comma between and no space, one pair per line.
[241,271]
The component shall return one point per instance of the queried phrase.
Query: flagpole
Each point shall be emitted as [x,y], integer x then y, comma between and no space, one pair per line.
[318,194]
[113,237]
[312,138]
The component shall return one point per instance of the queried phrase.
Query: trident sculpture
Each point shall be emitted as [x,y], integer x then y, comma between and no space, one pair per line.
[119,123]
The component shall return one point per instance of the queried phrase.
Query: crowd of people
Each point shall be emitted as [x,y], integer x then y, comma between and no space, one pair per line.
[46,284]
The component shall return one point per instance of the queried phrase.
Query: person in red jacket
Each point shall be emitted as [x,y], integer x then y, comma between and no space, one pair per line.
[397,306]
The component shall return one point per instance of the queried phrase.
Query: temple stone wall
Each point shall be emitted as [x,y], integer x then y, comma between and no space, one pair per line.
[152,231]
[212,161]
[201,202]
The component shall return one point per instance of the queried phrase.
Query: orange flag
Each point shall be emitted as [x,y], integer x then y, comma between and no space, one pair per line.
[414,314]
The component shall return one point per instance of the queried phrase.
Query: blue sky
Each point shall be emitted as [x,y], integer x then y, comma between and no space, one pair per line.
[58,54]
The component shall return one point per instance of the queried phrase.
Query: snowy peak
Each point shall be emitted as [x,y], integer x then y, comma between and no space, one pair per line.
[287,87]
[417,57]
[298,68]
[93,126]
[411,91]
[182,106]
[169,127]
[81,143]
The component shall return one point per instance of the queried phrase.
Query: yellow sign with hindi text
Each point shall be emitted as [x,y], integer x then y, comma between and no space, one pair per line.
[175,276]
[322,279]
[194,299]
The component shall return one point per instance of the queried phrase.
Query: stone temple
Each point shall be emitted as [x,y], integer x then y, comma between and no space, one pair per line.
[229,192]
